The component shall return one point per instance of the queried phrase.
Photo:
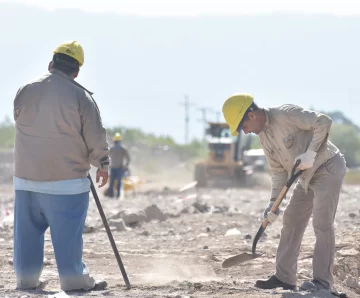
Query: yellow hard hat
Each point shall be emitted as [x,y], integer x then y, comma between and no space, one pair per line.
[73,49]
[117,137]
[234,109]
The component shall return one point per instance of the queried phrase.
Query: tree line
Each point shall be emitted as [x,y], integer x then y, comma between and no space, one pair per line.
[344,134]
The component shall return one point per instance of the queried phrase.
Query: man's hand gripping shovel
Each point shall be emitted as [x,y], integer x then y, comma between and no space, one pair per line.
[244,257]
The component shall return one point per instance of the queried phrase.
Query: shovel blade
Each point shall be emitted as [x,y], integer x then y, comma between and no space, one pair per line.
[239,259]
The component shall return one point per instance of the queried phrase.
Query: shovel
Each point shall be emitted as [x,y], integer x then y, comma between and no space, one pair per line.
[244,257]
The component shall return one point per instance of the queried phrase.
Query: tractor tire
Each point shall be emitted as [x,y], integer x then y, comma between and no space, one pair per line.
[200,175]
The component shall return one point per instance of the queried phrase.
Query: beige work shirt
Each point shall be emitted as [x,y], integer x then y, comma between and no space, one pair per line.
[290,131]
[59,131]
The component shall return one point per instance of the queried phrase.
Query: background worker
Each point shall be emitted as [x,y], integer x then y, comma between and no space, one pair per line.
[59,134]
[288,133]
[119,163]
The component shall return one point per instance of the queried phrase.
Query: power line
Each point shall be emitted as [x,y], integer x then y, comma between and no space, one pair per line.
[204,118]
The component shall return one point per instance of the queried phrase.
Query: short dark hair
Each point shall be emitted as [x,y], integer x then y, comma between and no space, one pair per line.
[65,63]
[254,106]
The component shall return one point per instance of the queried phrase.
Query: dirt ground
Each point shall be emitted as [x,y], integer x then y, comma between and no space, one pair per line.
[179,254]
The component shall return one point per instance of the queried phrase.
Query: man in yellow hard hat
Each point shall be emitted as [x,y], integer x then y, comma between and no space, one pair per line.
[59,135]
[119,163]
[288,133]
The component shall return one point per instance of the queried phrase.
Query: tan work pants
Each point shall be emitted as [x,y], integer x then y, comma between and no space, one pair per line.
[321,201]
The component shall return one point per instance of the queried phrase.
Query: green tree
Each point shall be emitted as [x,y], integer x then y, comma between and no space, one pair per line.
[347,139]
[7,133]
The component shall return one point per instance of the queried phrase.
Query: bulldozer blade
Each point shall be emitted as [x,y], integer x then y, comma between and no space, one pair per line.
[239,259]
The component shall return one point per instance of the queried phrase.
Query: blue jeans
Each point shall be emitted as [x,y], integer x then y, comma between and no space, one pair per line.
[115,174]
[65,215]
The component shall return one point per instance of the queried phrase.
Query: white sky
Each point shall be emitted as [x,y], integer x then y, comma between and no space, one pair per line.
[201,7]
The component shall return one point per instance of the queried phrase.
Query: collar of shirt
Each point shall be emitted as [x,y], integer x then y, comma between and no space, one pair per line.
[267,128]
[267,115]
[59,72]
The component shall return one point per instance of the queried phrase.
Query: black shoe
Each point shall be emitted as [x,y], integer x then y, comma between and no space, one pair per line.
[272,283]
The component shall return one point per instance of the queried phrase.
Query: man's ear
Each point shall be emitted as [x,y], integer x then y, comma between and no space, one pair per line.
[251,115]
[76,74]
[50,65]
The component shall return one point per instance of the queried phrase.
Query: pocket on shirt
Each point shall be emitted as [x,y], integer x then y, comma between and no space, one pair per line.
[290,141]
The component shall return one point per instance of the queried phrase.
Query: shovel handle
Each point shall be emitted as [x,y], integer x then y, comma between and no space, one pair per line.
[285,189]
[277,203]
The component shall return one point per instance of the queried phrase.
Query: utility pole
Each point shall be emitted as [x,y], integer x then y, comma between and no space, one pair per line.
[187,105]
[204,118]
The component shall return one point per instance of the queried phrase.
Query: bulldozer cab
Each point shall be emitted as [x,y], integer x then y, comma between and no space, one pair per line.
[225,157]
[222,146]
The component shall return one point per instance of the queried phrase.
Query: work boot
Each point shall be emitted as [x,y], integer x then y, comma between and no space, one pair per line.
[272,283]
[312,285]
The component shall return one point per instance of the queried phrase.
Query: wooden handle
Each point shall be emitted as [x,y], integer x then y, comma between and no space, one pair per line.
[276,204]
[279,199]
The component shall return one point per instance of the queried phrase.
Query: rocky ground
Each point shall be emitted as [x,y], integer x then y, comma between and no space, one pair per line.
[173,243]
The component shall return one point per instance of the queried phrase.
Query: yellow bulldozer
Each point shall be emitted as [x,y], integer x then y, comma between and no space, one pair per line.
[224,164]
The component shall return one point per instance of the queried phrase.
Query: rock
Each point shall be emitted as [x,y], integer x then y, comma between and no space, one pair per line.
[304,273]
[357,291]
[352,215]
[348,252]
[189,210]
[216,209]
[202,208]
[10,261]
[248,236]
[233,232]
[47,262]
[118,224]
[132,217]
[188,229]
[352,282]
[208,230]
[145,233]
[197,285]
[341,275]
[153,212]
[88,229]
[205,247]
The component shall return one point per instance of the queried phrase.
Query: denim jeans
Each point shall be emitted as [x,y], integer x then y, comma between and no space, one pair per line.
[115,174]
[65,215]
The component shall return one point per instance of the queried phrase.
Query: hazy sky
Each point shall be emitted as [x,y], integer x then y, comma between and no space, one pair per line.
[141,58]
[200,7]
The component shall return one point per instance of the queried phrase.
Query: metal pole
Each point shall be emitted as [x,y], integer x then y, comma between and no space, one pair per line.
[108,231]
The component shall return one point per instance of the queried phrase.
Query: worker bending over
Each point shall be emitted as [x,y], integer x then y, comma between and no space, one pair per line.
[288,133]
